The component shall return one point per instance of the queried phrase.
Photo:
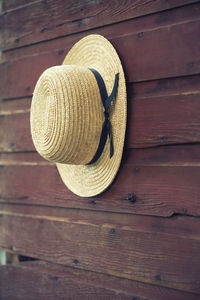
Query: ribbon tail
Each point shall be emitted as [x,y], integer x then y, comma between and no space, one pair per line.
[102,143]
[113,93]
[111,140]
[111,146]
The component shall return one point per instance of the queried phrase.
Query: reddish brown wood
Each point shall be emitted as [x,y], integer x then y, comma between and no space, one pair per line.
[159,113]
[24,85]
[13,4]
[169,47]
[159,181]
[15,106]
[132,52]
[19,138]
[176,155]
[177,225]
[131,26]
[50,281]
[163,120]
[165,87]
[94,242]
[44,20]
[24,281]
[168,44]
[134,256]
[22,158]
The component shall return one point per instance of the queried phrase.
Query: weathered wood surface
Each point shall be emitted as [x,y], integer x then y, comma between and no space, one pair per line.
[15,106]
[152,250]
[43,20]
[25,281]
[160,181]
[13,4]
[136,254]
[132,47]
[138,26]
[45,281]
[160,112]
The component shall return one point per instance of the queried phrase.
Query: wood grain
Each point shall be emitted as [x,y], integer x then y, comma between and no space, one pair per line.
[160,181]
[13,4]
[51,281]
[15,106]
[42,285]
[44,20]
[163,120]
[140,239]
[135,25]
[169,44]
[19,138]
[142,249]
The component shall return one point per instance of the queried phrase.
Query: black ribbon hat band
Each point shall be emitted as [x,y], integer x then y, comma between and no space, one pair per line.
[106,101]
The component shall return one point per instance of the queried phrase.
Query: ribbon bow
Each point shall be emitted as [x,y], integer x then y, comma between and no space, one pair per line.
[106,101]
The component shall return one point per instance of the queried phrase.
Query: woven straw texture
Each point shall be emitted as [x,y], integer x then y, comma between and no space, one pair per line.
[67,116]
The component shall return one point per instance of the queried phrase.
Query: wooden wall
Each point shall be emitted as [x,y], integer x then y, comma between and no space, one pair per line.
[141,238]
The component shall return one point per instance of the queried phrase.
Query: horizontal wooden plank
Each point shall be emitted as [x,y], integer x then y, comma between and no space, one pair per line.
[22,158]
[50,281]
[159,113]
[138,248]
[163,120]
[177,225]
[31,23]
[168,43]
[15,132]
[23,281]
[160,181]
[15,106]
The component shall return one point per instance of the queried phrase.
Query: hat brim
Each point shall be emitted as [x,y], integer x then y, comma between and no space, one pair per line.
[95,51]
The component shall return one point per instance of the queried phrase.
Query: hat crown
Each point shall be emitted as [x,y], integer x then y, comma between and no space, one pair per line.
[66,115]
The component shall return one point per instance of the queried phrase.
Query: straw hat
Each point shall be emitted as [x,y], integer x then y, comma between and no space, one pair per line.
[78,116]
